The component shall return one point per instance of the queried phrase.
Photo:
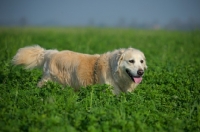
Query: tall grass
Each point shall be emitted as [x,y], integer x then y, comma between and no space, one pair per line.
[168,99]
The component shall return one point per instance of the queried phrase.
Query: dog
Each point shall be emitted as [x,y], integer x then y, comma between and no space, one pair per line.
[123,68]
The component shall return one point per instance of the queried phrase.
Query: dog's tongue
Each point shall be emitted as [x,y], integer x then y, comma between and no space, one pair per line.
[137,79]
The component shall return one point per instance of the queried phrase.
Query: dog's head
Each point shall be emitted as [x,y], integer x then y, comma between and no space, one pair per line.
[130,64]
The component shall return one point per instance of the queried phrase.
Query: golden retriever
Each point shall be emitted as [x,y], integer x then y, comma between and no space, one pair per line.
[123,68]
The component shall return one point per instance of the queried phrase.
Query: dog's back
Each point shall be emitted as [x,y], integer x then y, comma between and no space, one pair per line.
[72,68]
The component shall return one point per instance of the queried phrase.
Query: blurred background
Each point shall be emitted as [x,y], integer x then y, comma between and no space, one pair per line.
[141,14]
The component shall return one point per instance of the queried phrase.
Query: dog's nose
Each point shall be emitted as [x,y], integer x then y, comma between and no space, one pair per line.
[140,72]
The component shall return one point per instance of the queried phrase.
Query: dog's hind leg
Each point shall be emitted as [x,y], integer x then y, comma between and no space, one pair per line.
[44,79]
[46,76]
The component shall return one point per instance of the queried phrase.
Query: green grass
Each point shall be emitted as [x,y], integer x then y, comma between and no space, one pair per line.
[168,99]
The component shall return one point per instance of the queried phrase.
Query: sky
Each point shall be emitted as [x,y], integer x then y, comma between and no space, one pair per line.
[108,12]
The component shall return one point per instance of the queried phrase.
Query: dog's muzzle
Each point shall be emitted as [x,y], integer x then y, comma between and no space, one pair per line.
[136,79]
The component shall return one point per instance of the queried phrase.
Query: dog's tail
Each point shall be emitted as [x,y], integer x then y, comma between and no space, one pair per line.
[32,56]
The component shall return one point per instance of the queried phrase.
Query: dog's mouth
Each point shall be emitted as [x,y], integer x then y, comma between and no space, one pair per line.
[136,79]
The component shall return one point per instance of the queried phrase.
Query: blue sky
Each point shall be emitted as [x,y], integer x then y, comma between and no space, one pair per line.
[109,12]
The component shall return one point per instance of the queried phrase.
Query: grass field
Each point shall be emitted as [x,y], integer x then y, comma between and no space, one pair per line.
[168,99]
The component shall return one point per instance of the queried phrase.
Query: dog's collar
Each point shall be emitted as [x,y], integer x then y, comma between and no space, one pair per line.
[95,70]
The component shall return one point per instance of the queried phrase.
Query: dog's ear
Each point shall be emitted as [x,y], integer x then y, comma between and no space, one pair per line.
[145,66]
[116,59]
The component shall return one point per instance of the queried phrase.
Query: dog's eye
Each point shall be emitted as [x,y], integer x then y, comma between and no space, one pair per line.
[141,61]
[131,61]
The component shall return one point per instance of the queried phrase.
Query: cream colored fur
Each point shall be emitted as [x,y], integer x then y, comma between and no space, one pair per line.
[79,70]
